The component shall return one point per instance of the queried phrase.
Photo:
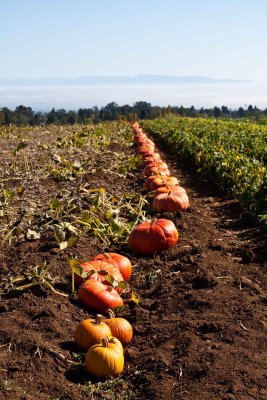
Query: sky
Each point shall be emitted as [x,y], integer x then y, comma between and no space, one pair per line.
[67,38]
[223,39]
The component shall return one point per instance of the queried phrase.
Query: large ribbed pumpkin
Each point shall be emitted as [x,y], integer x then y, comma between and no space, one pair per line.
[121,262]
[171,201]
[148,238]
[170,188]
[102,270]
[150,158]
[155,181]
[99,297]
[156,169]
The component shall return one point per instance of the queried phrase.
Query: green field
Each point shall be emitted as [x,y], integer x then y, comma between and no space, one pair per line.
[231,152]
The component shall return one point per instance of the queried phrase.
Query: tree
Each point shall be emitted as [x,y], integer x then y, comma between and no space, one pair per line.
[9,118]
[52,117]
[217,112]
[72,118]
[2,118]
[241,112]
[225,110]
[143,109]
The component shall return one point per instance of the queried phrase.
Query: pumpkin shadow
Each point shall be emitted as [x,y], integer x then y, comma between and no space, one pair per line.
[69,345]
[78,374]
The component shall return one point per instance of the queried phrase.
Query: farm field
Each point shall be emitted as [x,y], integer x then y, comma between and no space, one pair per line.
[233,153]
[69,193]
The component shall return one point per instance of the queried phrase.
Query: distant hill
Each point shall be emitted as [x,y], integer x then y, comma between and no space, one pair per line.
[119,80]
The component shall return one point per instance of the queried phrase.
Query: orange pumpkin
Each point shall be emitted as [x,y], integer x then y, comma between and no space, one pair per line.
[121,262]
[156,170]
[153,237]
[135,126]
[90,332]
[105,358]
[170,188]
[152,158]
[155,181]
[98,270]
[171,201]
[98,297]
[120,328]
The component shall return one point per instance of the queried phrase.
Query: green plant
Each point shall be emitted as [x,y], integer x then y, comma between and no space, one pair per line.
[150,279]
[110,389]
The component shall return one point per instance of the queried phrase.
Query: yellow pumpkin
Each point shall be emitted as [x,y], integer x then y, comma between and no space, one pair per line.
[120,328]
[90,332]
[105,358]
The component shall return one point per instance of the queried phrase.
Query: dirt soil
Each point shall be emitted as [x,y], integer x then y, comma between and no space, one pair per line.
[199,330]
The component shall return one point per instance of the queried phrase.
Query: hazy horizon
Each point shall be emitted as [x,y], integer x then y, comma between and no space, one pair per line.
[44,98]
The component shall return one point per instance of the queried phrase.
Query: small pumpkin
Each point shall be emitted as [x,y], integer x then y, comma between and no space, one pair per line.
[148,238]
[120,328]
[105,358]
[121,262]
[98,296]
[90,331]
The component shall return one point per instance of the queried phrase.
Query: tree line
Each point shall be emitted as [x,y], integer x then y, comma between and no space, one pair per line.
[111,112]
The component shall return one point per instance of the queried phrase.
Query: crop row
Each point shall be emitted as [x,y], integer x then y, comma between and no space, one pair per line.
[234,154]
[101,280]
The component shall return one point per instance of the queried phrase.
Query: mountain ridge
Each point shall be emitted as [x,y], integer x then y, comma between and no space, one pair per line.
[141,79]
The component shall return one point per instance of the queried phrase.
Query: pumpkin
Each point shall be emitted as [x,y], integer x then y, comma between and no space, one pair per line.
[156,170]
[98,297]
[121,262]
[146,150]
[105,358]
[154,181]
[140,137]
[170,188]
[160,164]
[90,332]
[171,201]
[148,238]
[148,159]
[135,126]
[120,328]
[98,270]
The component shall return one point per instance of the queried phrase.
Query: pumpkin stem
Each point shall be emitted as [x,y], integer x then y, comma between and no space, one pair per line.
[152,222]
[98,319]
[104,341]
[107,255]
[110,313]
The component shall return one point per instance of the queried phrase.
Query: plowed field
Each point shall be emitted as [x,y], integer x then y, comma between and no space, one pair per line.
[200,327]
